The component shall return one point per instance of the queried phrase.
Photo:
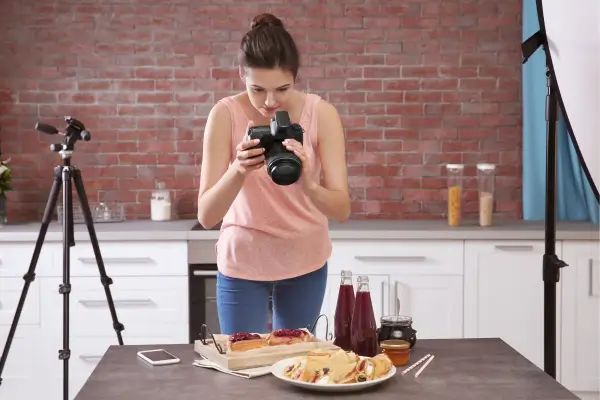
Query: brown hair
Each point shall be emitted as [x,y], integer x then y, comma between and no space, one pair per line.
[269,45]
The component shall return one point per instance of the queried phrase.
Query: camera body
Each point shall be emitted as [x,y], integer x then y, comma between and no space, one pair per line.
[283,166]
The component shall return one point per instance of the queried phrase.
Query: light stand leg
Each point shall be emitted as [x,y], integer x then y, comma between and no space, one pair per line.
[106,281]
[30,275]
[551,263]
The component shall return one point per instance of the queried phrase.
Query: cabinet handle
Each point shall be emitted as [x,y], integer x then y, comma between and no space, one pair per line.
[90,357]
[205,273]
[390,258]
[125,302]
[117,260]
[516,247]
[0,305]
[591,277]
[382,298]
[397,312]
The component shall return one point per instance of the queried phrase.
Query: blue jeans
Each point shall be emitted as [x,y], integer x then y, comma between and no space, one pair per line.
[243,304]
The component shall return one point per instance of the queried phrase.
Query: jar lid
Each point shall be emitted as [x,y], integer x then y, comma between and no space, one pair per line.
[402,320]
[394,344]
[486,167]
[455,166]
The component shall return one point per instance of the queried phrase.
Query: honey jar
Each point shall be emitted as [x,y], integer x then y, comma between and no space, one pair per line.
[397,350]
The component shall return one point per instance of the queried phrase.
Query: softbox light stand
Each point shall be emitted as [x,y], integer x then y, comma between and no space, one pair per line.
[551,264]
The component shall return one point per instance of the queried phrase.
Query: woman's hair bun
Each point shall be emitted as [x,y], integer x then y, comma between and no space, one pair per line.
[265,19]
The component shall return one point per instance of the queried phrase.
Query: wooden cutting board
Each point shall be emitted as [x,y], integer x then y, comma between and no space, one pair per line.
[237,360]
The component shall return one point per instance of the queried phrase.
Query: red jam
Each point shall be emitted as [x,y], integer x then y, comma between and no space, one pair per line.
[238,337]
[288,333]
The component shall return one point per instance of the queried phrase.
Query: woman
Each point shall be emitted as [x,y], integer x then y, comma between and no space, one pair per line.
[273,238]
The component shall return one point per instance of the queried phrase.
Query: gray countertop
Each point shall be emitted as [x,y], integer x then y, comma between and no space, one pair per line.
[354,229]
[462,369]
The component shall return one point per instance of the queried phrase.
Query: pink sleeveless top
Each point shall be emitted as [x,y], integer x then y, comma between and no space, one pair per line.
[273,232]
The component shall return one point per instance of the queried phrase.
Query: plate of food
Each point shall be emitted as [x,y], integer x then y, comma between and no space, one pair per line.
[334,370]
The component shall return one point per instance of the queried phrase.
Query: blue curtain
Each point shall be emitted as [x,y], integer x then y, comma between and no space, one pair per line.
[574,196]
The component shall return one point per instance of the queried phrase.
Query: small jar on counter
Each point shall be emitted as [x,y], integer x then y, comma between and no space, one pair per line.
[160,204]
[397,350]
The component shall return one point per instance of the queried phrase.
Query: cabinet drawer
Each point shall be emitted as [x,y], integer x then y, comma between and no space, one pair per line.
[397,257]
[153,306]
[10,292]
[127,259]
[16,257]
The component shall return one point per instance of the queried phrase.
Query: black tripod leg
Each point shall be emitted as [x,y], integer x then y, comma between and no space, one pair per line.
[65,288]
[30,275]
[106,281]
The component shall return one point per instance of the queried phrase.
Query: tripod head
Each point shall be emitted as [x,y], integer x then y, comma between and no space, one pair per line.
[74,131]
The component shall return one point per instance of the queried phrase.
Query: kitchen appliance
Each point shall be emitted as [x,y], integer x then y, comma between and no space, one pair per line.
[202,287]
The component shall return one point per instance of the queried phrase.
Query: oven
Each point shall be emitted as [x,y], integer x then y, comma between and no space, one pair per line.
[202,288]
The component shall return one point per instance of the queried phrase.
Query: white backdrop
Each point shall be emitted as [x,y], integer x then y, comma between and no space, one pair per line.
[573,32]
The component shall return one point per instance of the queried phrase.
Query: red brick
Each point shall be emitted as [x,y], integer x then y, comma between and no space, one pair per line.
[417,84]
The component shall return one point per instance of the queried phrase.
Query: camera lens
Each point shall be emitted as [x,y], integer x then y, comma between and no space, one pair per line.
[284,168]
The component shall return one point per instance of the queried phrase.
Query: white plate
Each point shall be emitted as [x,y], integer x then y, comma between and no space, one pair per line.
[278,368]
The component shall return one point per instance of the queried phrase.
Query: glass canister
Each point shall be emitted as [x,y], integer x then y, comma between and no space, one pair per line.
[485,180]
[455,186]
[160,204]
[397,327]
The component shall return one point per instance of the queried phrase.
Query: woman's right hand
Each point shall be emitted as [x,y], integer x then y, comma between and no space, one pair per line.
[247,159]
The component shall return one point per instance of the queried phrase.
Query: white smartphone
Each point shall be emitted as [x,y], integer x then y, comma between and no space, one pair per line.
[158,357]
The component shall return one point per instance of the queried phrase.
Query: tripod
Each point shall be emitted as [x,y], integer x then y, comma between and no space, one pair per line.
[551,264]
[62,178]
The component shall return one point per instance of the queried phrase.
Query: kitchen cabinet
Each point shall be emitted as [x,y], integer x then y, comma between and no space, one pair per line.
[406,278]
[149,292]
[580,316]
[504,295]
[451,289]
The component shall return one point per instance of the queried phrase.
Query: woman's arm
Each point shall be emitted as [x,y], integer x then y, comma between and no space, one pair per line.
[220,183]
[332,198]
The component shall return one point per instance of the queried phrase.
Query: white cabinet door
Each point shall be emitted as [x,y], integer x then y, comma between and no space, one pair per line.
[504,295]
[580,321]
[435,303]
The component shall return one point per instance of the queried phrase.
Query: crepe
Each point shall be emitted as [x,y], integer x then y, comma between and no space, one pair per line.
[332,367]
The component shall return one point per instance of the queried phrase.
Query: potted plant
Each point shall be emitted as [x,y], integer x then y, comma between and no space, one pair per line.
[5,179]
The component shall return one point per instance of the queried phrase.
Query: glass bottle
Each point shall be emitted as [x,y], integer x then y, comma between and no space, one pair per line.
[363,339]
[160,204]
[343,312]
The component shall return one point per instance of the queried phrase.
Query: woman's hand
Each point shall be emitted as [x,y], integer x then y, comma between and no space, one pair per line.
[306,179]
[247,159]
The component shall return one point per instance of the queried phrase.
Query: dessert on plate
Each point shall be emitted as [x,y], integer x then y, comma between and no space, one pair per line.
[330,367]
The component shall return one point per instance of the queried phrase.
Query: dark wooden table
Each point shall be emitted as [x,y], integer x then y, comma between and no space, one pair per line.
[478,369]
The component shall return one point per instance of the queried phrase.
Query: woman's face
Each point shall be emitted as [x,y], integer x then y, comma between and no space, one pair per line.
[269,90]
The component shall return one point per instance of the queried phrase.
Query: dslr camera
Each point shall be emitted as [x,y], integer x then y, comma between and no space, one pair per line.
[283,166]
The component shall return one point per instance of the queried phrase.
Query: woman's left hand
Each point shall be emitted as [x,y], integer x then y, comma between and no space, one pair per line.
[306,179]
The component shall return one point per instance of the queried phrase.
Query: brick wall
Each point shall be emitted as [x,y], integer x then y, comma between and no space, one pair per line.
[418,84]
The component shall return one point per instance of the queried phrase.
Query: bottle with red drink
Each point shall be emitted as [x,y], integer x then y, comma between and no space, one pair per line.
[363,337]
[343,312]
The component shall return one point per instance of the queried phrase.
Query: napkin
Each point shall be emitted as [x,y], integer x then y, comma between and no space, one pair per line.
[243,373]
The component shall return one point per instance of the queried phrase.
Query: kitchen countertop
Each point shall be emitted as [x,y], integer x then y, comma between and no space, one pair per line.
[462,369]
[354,229]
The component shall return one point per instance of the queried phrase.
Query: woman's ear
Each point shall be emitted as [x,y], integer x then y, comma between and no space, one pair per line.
[242,74]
